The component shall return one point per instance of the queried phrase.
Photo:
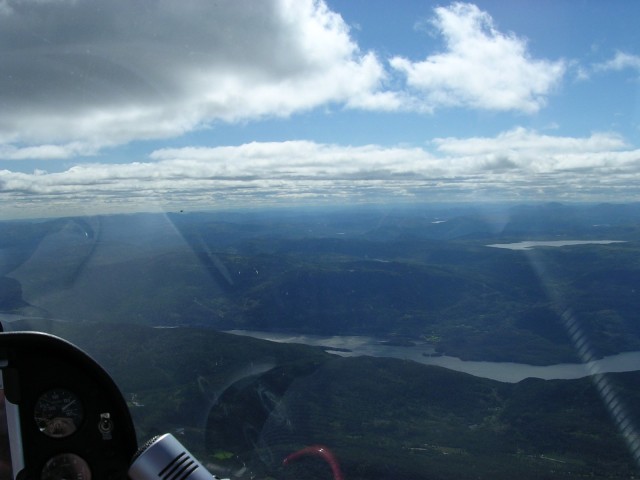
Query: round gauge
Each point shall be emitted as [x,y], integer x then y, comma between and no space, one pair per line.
[66,466]
[58,413]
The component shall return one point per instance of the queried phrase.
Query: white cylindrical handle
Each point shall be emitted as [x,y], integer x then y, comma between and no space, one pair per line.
[164,458]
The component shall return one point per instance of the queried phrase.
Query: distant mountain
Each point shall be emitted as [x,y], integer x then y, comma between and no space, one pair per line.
[421,272]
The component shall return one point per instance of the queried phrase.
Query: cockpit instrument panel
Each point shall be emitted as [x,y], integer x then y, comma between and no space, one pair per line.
[61,415]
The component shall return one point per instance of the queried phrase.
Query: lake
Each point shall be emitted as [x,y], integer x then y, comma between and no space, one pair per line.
[351,346]
[551,243]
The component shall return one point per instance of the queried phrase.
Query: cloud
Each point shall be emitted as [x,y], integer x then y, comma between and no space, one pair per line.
[532,153]
[479,68]
[84,72]
[301,159]
[518,163]
[529,141]
[620,61]
[80,76]
[46,152]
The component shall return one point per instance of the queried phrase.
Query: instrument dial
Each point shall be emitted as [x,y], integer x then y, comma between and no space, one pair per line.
[66,466]
[58,413]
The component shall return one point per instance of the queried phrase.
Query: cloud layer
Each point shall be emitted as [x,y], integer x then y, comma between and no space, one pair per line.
[79,76]
[519,163]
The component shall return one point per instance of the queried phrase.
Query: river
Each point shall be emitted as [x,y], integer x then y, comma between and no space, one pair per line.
[351,346]
[422,352]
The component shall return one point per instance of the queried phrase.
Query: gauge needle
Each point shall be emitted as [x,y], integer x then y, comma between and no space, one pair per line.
[69,404]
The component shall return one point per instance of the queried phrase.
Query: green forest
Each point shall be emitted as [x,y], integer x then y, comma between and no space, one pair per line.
[240,402]
[399,275]
[150,297]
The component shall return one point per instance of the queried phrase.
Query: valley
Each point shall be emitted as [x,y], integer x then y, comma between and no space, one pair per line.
[150,297]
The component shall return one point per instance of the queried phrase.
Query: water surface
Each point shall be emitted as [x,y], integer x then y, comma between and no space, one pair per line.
[526,245]
[422,352]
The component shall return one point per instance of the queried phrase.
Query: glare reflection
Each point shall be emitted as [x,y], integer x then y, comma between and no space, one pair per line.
[606,389]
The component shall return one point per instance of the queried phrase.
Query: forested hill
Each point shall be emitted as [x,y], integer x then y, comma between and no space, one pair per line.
[240,402]
[414,273]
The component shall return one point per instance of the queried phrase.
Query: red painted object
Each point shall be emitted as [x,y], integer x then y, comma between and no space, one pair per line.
[318,451]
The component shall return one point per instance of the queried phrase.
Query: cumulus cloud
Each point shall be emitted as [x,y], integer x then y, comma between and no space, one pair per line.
[84,72]
[480,67]
[519,163]
[82,76]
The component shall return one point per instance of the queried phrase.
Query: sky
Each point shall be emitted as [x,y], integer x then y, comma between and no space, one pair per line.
[118,106]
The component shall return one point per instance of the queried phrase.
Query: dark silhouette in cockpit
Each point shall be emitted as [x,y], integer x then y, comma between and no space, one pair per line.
[5,453]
